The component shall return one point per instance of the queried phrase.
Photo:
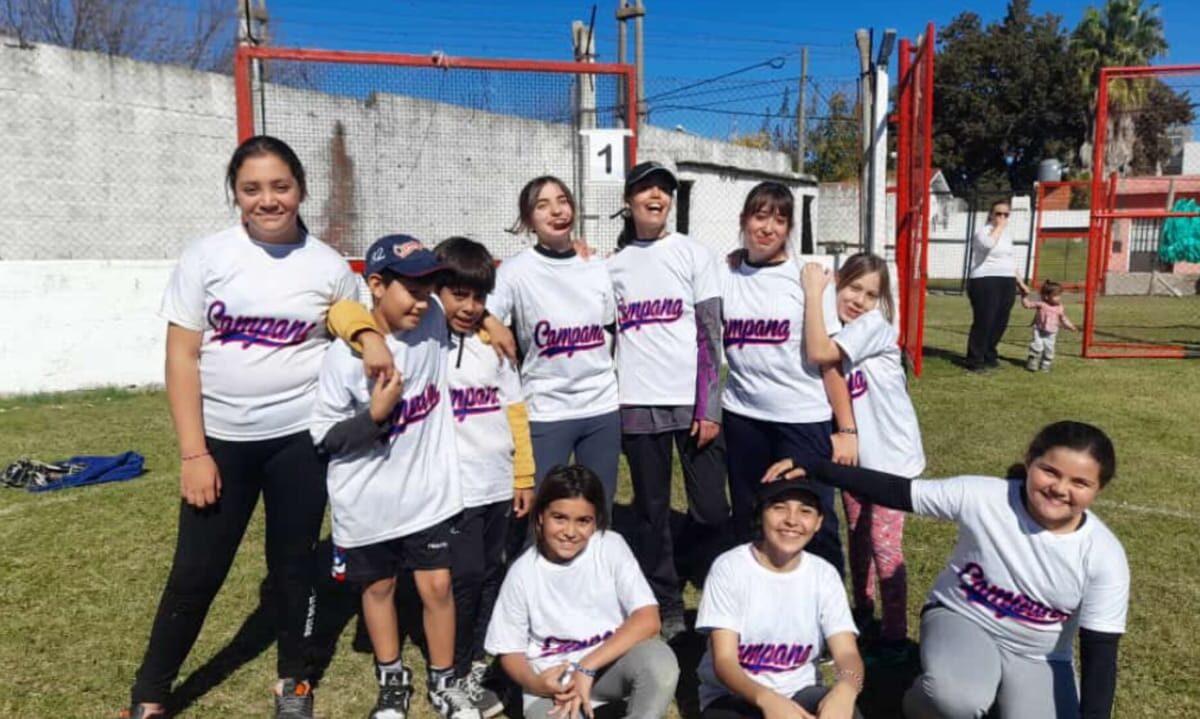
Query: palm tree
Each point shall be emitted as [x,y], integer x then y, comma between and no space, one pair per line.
[1124,34]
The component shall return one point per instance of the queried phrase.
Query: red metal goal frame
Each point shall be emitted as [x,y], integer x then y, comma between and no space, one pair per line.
[1104,212]
[914,172]
[245,55]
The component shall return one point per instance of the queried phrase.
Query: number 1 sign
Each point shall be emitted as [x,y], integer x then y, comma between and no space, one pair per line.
[606,154]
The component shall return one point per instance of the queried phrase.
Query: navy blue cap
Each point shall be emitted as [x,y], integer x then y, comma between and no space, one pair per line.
[781,489]
[402,254]
[643,170]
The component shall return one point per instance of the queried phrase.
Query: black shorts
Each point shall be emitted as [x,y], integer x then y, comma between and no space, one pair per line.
[427,549]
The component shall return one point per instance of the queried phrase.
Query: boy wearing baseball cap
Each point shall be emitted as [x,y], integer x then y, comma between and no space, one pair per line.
[393,472]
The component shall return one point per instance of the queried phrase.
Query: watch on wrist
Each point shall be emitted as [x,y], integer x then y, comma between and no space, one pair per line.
[590,673]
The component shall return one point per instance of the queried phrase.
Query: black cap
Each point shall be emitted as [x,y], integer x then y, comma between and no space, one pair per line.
[781,489]
[643,170]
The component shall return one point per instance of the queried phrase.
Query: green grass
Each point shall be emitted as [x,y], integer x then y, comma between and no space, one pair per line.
[1064,261]
[83,569]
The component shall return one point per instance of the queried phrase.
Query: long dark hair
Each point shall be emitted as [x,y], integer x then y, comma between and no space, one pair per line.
[569,481]
[258,146]
[527,202]
[1081,437]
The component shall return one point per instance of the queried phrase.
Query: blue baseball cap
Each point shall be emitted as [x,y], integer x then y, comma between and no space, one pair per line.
[402,254]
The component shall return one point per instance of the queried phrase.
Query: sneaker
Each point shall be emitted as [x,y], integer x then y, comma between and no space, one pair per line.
[395,690]
[1031,364]
[451,702]
[484,699]
[673,623]
[1045,366]
[293,700]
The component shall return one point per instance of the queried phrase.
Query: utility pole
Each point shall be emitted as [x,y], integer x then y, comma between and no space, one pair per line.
[862,39]
[639,59]
[801,111]
[252,32]
[584,43]
[622,91]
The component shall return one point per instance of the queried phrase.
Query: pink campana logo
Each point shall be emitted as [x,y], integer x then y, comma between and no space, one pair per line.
[467,401]
[739,333]
[1005,602]
[414,409]
[768,658]
[261,331]
[567,341]
[633,315]
[857,382]
[557,645]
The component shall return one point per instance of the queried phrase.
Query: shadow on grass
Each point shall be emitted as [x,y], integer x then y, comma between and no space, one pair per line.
[338,603]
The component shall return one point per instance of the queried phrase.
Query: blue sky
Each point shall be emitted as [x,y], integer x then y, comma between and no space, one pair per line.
[686,40]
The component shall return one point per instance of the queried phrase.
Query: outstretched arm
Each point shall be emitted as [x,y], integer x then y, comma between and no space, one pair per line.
[890,490]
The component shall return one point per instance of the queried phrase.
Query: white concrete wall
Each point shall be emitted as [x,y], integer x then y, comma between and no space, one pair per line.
[81,323]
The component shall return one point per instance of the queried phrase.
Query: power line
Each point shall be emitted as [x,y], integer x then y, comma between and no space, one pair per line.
[774,63]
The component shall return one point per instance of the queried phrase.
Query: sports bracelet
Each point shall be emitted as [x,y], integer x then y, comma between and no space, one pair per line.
[188,457]
[590,673]
[850,674]
[848,430]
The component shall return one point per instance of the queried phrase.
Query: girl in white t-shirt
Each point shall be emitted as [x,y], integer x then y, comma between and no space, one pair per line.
[576,623]
[770,609]
[777,401]
[1032,567]
[888,433]
[247,310]
[563,311]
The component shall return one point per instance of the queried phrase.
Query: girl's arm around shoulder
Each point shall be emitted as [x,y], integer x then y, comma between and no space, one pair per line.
[819,348]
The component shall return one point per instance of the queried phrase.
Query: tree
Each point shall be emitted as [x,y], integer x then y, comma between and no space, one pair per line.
[1124,34]
[1006,96]
[1163,110]
[833,145]
[201,39]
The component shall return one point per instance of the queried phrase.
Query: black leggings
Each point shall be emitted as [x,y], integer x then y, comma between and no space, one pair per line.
[291,478]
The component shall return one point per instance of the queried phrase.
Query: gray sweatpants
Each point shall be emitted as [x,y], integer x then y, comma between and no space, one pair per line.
[966,672]
[1041,349]
[644,678]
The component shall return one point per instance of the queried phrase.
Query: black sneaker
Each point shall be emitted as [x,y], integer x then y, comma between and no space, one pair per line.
[451,702]
[293,700]
[395,691]
[484,699]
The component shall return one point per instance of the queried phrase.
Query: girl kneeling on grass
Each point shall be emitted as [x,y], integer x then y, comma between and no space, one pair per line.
[1031,567]
[770,608]
[576,623]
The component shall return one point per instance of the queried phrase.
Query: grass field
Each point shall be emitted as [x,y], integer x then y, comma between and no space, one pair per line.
[83,568]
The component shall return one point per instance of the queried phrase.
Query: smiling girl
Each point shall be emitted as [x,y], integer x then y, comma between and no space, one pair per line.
[777,401]
[1033,566]
[770,609]
[576,623]
[888,433]
[247,310]
[563,311]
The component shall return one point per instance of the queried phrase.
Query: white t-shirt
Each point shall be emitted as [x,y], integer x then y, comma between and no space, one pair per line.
[556,613]
[781,619]
[560,308]
[658,284]
[481,388]
[261,309]
[889,438]
[411,481]
[988,260]
[764,331]
[1029,588]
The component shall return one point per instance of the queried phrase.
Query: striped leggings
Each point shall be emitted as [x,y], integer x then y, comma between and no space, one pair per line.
[876,536]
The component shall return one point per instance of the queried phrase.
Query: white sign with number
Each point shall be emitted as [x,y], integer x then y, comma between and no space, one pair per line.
[606,154]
